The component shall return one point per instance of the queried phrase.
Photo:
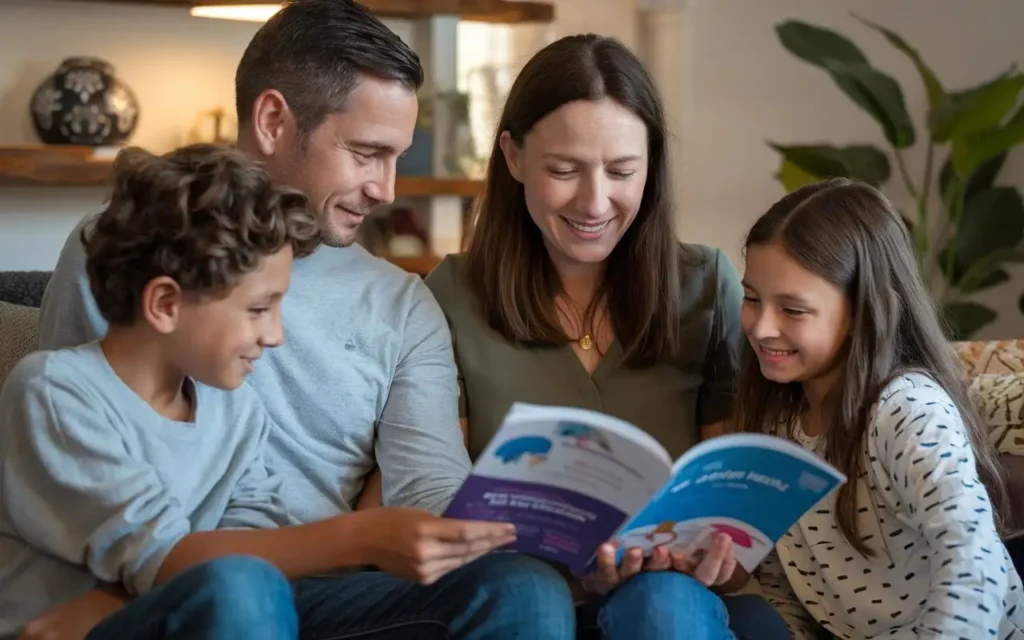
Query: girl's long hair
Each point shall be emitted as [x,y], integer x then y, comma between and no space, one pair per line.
[849,234]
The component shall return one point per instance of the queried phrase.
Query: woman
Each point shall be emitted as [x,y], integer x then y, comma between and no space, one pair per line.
[574,291]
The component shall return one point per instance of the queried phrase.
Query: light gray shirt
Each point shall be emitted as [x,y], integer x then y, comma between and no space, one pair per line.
[366,373]
[96,486]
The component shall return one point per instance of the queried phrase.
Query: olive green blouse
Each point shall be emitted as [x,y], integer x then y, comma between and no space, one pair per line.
[670,400]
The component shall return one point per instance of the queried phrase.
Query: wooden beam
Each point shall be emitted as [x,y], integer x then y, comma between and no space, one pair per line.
[497,11]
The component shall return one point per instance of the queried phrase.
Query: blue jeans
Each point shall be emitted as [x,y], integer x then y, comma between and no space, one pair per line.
[666,605]
[751,617]
[231,597]
[501,595]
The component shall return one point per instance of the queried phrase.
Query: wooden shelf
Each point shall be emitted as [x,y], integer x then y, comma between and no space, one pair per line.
[421,265]
[498,11]
[75,166]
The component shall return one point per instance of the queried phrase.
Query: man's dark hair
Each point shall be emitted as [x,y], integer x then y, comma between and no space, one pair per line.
[204,215]
[315,52]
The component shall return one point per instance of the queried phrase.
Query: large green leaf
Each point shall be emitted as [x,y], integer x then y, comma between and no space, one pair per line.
[793,177]
[971,150]
[878,94]
[966,318]
[993,220]
[872,90]
[933,88]
[982,178]
[977,109]
[816,45]
[817,162]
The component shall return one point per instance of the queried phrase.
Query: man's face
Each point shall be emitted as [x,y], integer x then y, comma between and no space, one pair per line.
[346,166]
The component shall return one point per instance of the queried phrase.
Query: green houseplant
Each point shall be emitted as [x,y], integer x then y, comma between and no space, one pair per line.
[967,234]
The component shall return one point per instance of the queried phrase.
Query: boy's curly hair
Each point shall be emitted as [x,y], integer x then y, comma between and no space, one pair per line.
[204,215]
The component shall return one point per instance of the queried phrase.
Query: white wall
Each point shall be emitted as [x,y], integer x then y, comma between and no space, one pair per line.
[742,88]
[177,66]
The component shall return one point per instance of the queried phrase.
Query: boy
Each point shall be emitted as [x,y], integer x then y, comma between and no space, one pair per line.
[136,461]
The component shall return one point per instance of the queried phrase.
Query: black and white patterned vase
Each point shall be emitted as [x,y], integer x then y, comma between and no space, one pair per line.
[84,103]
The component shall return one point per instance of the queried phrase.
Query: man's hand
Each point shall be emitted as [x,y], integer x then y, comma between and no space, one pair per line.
[713,569]
[74,620]
[419,546]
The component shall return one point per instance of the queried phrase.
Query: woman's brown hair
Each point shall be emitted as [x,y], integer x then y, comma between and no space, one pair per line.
[507,263]
[849,234]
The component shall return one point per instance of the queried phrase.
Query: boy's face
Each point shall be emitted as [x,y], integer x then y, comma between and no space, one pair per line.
[216,341]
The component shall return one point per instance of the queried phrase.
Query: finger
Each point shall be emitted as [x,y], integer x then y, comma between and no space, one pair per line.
[607,569]
[727,571]
[660,560]
[632,563]
[681,562]
[707,570]
[729,565]
[438,550]
[465,530]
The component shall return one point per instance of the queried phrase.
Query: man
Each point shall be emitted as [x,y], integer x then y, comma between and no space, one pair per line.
[326,100]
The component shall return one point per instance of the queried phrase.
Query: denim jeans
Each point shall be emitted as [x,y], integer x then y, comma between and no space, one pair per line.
[229,598]
[500,596]
[751,617]
[668,606]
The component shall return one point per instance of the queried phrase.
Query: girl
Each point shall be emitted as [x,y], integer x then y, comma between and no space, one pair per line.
[847,357]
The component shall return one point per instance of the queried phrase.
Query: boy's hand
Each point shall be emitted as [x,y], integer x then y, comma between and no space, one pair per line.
[713,569]
[419,546]
[74,620]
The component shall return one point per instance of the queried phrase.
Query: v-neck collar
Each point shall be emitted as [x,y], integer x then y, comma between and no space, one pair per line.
[589,385]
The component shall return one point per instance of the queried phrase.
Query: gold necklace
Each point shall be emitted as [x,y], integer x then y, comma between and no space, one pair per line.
[586,343]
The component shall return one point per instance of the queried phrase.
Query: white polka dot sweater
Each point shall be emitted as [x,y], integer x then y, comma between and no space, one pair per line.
[940,569]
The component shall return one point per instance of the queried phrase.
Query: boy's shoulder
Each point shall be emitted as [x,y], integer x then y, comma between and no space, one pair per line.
[57,366]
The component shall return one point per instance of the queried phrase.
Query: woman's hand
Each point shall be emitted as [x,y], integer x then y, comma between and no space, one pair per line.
[713,569]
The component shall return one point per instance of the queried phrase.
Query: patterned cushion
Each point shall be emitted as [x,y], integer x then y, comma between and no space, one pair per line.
[18,335]
[1000,400]
[996,356]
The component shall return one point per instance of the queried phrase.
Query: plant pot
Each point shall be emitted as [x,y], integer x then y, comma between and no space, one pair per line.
[84,103]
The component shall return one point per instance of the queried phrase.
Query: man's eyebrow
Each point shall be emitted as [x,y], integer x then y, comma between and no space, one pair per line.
[371,144]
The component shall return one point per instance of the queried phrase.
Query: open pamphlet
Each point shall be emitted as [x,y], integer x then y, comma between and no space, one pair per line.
[571,479]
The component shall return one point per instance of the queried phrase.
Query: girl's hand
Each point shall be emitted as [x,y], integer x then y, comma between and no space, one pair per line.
[713,569]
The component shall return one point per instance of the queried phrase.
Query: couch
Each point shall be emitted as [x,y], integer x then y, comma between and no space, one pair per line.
[995,370]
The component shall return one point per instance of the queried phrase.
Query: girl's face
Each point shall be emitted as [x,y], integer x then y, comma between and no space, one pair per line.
[796,322]
[583,168]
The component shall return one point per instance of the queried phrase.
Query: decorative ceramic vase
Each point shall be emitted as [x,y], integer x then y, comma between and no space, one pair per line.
[84,103]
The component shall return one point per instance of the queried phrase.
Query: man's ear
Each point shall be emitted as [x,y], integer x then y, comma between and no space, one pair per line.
[271,120]
[512,153]
[161,302]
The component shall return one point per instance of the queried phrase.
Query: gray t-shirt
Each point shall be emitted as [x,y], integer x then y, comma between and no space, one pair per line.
[97,486]
[366,373]
[670,400]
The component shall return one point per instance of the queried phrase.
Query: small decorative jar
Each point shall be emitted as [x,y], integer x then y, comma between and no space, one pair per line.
[84,103]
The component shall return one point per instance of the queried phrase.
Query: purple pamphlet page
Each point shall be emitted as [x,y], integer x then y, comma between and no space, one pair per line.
[568,479]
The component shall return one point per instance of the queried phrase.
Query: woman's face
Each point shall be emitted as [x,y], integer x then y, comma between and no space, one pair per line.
[583,168]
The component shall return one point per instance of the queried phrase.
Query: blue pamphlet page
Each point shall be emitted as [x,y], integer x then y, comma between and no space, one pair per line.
[571,479]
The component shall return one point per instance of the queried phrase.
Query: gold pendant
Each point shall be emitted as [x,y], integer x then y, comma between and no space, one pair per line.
[586,343]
